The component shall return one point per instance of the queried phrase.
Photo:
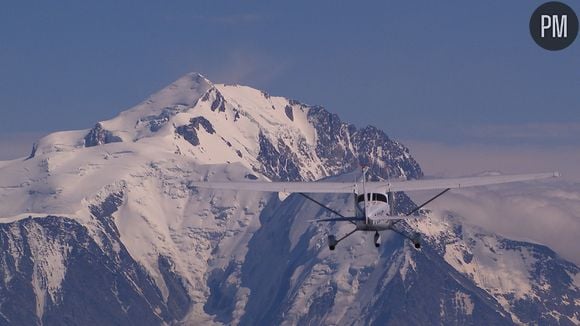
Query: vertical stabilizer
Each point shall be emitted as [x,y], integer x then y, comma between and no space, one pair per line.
[391,202]
[364,172]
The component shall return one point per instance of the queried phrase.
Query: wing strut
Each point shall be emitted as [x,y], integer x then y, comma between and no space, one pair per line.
[415,238]
[346,235]
[427,202]
[325,207]
[333,241]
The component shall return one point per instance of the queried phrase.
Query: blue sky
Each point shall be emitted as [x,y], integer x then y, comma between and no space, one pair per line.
[455,73]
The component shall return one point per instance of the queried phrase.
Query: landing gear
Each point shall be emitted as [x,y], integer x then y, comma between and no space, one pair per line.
[416,239]
[377,239]
[332,242]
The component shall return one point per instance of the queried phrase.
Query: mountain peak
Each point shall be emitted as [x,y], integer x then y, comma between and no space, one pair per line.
[221,124]
[184,91]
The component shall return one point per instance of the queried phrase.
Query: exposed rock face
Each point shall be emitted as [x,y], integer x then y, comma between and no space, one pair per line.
[33,151]
[278,163]
[156,122]
[201,121]
[341,148]
[218,102]
[98,136]
[99,282]
[189,132]
[289,112]
[345,147]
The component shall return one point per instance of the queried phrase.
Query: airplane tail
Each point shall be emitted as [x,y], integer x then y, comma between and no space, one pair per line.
[339,219]
[391,202]
[364,171]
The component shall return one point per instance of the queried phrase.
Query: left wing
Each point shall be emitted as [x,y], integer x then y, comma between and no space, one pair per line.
[380,186]
[310,187]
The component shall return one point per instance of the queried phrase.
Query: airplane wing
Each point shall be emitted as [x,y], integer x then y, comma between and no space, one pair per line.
[454,183]
[380,186]
[310,187]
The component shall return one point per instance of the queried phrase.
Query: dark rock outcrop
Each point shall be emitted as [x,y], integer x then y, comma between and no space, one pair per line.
[99,136]
[189,131]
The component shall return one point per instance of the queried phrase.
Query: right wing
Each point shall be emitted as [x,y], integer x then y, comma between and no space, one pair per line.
[455,183]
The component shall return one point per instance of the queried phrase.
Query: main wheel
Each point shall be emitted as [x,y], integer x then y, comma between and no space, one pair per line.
[416,239]
[332,242]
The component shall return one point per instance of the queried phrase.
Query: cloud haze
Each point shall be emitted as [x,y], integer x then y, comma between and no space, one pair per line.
[439,159]
[537,133]
[546,212]
[542,212]
[242,65]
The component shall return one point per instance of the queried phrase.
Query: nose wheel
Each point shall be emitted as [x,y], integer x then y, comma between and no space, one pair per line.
[377,239]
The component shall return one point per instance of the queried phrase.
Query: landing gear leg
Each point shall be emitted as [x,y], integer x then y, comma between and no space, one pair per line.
[415,238]
[333,241]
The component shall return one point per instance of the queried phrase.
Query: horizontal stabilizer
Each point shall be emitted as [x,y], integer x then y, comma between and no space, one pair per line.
[339,219]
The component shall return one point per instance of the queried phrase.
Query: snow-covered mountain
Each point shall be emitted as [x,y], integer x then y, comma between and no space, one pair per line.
[101,226]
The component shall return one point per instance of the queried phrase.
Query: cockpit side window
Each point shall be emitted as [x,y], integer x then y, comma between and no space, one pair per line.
[381,197]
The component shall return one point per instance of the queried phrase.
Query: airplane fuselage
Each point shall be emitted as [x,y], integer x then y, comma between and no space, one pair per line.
[376,212]
[376,224]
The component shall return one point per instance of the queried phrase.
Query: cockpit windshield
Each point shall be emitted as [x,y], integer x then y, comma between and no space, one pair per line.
[372,197]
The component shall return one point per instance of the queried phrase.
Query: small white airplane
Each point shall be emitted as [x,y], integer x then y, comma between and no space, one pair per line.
[375,202]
